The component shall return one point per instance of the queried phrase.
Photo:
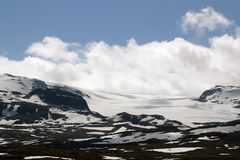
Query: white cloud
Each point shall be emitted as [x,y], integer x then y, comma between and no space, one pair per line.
[176,67]
[54,49]
[207,19]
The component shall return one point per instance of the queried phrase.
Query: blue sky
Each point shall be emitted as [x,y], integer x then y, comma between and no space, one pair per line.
[27,21]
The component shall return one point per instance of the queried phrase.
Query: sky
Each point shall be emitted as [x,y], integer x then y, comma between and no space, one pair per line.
[165,47]
[27,21]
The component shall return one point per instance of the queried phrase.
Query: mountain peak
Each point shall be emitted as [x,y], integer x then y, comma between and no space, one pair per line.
[222,95]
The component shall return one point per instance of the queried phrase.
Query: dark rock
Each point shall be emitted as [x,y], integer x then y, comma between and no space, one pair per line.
[205,94]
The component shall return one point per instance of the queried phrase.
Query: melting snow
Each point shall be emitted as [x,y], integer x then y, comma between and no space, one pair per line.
[3,154]
[3,142]
[222,129]
[99,128]
[175,150]
[34,99]
[205,138]
[44,157]
[97,133]
[74,117]
[234,147]
[112,158]
[81,139]
[122,129]
[225,154]
[140,137]
[7,122]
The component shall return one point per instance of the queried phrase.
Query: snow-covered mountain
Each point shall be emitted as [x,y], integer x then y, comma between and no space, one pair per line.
[25,100]
[34,112]
[222,95]
[190,111]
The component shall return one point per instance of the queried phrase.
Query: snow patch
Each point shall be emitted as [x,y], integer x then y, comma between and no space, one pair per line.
[99,128]
[222,129]
[175,150]
[46,157]
[112,158]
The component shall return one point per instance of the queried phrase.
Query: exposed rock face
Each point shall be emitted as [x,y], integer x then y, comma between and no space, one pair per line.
[206,94]
[60,98]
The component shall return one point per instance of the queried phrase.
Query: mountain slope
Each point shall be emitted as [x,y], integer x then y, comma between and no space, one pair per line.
[24,100]
[222,95]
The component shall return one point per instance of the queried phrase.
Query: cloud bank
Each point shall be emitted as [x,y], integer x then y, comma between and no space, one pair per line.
[207,19]
[176,67]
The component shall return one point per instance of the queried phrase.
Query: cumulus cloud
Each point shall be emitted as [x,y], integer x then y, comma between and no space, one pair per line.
[207,19]
[176,67]
[54,49]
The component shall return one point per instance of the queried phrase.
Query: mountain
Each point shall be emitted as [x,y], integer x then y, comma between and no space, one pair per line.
[32,104]
[24,100]
[222,95]
[40,120]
